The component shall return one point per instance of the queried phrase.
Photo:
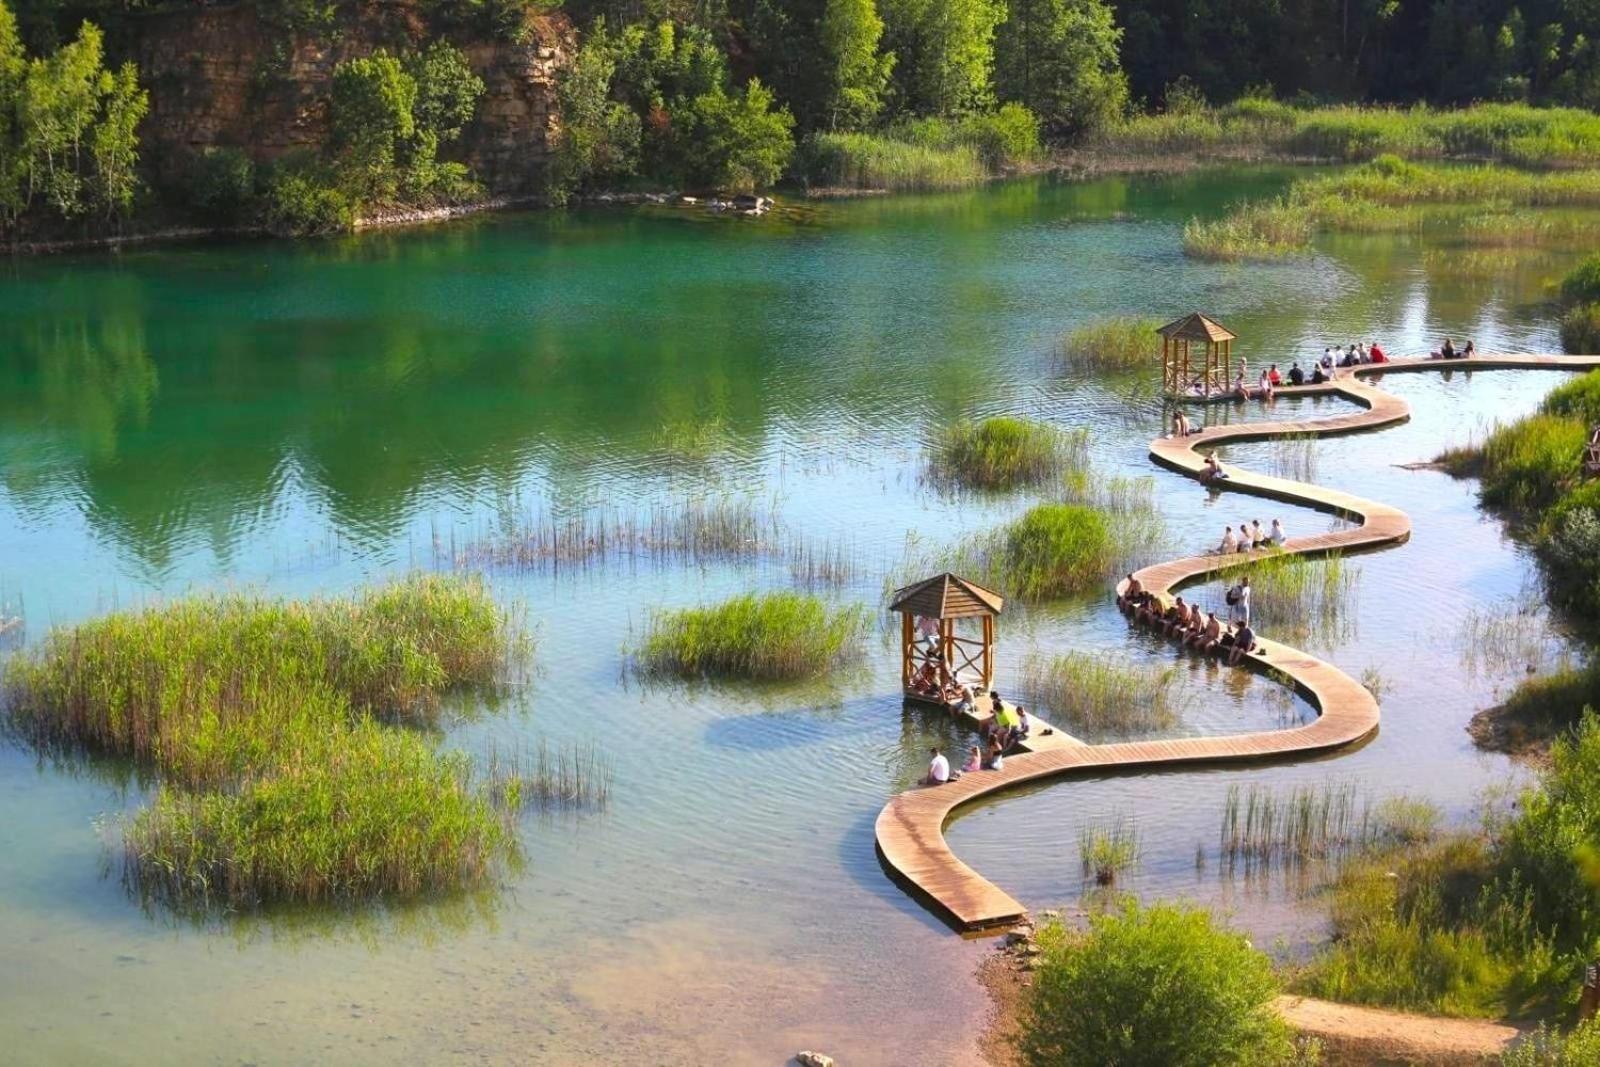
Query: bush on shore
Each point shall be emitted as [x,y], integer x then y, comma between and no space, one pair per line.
[1153,985]
[759,637]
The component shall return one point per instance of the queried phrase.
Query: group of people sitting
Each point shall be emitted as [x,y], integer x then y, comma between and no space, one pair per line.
[1192,627]
[934,681]
[1251,535]
[1355,355]
[1449,351]
[1004,728]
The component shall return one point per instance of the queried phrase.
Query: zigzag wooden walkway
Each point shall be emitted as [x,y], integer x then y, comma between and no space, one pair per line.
[910,829]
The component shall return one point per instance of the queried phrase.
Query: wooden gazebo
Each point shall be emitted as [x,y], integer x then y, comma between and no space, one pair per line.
[1180,372]
[929,611]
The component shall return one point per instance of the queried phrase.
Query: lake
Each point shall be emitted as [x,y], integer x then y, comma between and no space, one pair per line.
[303,418]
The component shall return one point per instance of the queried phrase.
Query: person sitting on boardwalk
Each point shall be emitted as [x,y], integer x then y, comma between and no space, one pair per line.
[1246,541]
[1206,640]
[1129,599]
[995,758]
[958,695]
[1273,376]
[1006,723]
[1180,424]
[1229,544]
[1349,358]
[1149,613]
[1196,627]
[1318,376]
[1177,618]
[1447,350]
[1277,536]
[1264,387]
[1361,353]
[1258,536]
[926,682]
[1243,641]
[1024,726]
[1376,354]
[1212,471]
[938,768]
[1296,375]
[1468,351]
[1241,391]
[974,760]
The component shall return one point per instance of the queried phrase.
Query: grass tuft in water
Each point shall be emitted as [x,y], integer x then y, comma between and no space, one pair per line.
[1117,345]
[265,720]
[1096,694]
[572,776]
[1294,597]
[1005,453]
[1107,849]
[758,636]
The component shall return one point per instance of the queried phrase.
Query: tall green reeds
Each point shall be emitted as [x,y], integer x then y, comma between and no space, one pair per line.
[264,720]
[1294,597]
[1117,345]
[1108,848]
[1096,694]
[760,637]
[1005,453]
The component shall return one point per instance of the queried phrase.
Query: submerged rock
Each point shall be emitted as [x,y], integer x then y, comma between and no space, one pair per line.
[813,1059]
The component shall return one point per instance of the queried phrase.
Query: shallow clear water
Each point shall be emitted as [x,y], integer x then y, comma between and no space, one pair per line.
[309,417]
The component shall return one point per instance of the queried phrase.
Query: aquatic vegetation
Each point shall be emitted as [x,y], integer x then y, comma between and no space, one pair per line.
[1528,465]
[1581,285]
[1108,848]
[703,529]
[1262,826]
[1487,204]
[1091,1001]
[1502,641]
[264,720]
[575,775]
[1295,596]
[1005,452]
[928,153]
[772,636]
[1294,456]
[1053,550]
[1117,345]
[1097,694]
[692,440]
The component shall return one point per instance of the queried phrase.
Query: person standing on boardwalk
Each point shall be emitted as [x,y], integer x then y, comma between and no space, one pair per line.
[1239,602]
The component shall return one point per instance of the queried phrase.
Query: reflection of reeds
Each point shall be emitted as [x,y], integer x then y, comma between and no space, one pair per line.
[692,440]
[1107,848]
[575,775]
[1504,641]
[1261,826]
[1096,694]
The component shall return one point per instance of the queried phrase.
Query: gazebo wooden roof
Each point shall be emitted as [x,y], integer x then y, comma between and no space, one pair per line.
[946,596]
[1196,327]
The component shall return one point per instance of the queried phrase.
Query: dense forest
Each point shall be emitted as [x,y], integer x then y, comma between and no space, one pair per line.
[735,94]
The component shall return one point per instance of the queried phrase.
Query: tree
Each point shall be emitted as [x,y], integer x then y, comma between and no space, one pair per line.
[115,142]
[944,53]
[599,137]
[857,74]
[13,66]
[1152,987]
[447,90]
[372,114]
[1059,58]
[740,141]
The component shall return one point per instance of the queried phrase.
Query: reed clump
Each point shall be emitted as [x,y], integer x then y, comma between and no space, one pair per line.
[1108,848]
[1096,694]
[1054,550]
[571,776]
[1262,826]
[1293,595]
[1116,345]
[1005,453]
[267,722]
[773,636]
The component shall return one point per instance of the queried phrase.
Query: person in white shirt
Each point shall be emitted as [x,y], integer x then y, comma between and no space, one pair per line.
[1258,536]
[1278,536]
[1230,543]
[1241,602]
[938,769]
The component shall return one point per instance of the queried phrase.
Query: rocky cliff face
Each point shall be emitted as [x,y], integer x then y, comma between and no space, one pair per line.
[219,76]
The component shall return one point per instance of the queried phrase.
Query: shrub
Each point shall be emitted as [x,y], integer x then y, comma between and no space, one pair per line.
[1580,329]
[302,199]
[1582,283]
[219,184]
[1116,345]
[1056,550]
[1529,464]
[1158,986]
[772,636]
[1554,703]
[1544,1048]
[1577,399]
[1004,452]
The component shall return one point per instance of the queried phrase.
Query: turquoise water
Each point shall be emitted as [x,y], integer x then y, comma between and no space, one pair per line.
[304,418]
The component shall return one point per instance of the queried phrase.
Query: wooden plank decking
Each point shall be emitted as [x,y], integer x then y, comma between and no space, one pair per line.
[910,829]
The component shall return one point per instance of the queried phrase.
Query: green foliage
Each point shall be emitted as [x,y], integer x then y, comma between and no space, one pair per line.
[1055,550]
[1152,986]
[769,637]
[1582,283]
[944,53]
[930,153]
[1580,329]
[1545,1048]
[219,184]
[1576,399]
[857,74]
[1529,464]
[1108,848]
[600,137]
[303,198]
[1112,346]
[261,717]
[68,130]
[739,141]
[1550,705]
[1096,694]
[1059,58]
[1004,452]
[371,117]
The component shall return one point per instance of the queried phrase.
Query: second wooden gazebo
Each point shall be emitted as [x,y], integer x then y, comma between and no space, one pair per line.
[1213,373]
[929,610]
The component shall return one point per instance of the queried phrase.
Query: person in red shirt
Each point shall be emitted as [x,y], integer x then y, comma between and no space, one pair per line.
[1376,353]
[1272,376]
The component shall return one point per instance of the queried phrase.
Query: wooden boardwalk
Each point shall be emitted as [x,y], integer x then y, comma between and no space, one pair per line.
[910,829]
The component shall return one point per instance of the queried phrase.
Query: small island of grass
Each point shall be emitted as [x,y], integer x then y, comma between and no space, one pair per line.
[1005,453]
[266,722]
[759,637]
